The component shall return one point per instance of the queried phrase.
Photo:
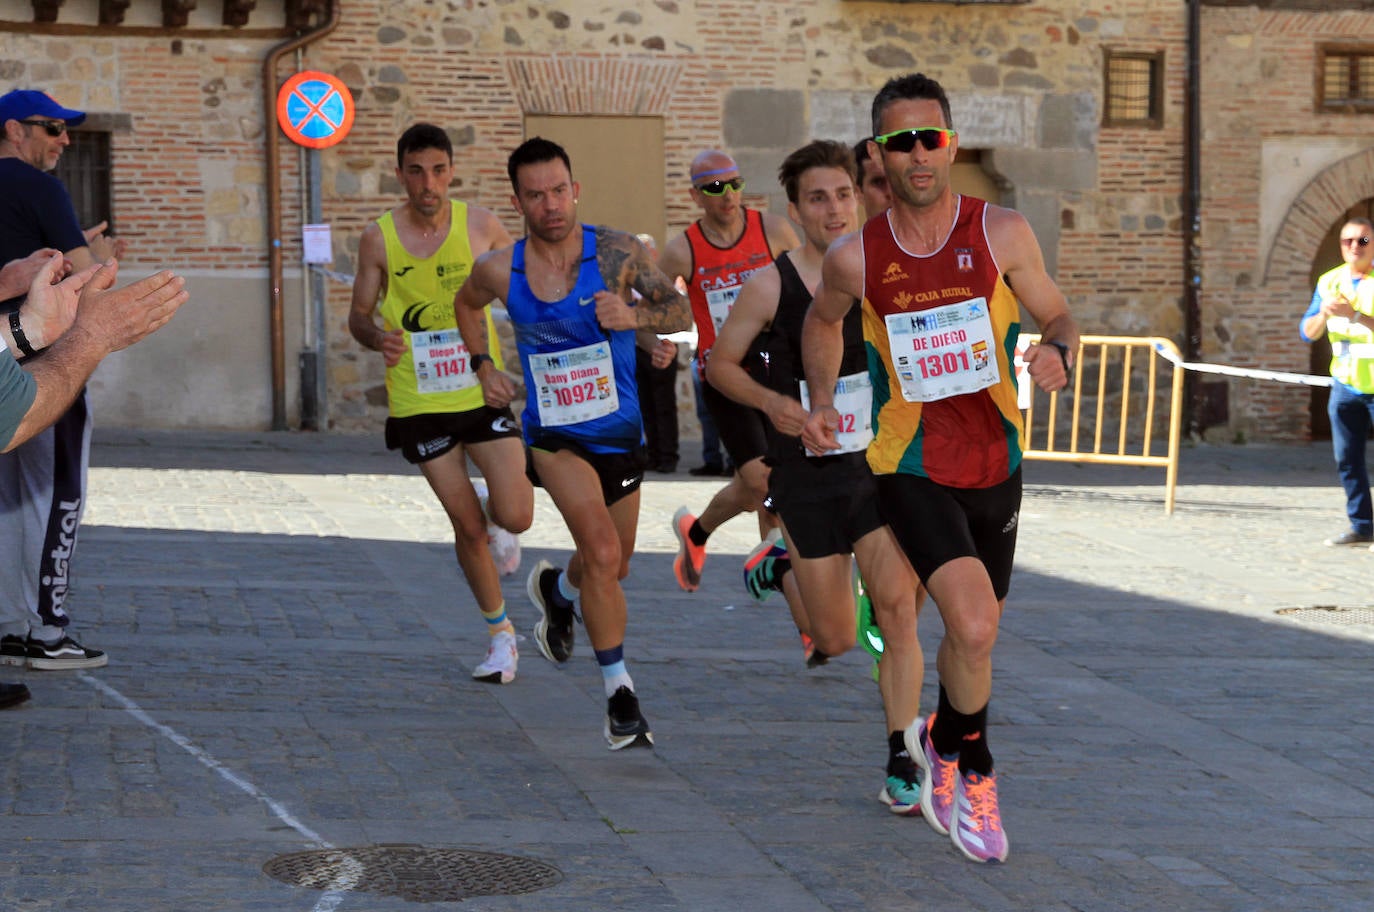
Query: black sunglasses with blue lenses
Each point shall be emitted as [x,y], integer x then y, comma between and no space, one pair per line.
[931,138]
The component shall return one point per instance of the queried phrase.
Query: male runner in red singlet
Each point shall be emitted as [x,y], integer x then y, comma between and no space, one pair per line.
[935,275]
[716,253]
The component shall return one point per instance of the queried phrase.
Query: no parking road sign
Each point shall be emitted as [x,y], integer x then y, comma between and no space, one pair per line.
[314,109]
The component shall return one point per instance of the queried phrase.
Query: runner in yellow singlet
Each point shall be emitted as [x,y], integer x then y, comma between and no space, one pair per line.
[411,263]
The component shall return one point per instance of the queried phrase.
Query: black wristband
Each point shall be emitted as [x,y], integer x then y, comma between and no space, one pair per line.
[1063,356]
[476,361]
[19,338]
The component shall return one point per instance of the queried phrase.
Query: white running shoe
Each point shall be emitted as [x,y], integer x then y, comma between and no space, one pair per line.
[502,657]
[504,545]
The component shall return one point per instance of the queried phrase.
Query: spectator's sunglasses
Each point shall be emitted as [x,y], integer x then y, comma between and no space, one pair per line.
[54,127]
[931,138]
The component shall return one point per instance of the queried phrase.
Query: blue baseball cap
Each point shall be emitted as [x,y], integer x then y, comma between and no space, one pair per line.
[22,104]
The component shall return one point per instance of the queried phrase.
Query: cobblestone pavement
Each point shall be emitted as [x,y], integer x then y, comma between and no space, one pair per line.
[291,645]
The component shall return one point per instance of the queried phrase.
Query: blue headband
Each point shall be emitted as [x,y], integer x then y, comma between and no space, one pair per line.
[699,175]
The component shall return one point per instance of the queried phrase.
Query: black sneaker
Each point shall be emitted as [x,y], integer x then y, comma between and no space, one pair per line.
[625,724]
[709,470]
[12,695]
[14,650]
[64,655]
[554,632]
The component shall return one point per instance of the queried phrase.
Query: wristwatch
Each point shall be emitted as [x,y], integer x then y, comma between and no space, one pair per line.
[17,331]
[1063,355]
[477,361]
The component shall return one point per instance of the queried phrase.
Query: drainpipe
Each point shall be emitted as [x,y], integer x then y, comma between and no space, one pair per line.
[274,265]
[1192,221]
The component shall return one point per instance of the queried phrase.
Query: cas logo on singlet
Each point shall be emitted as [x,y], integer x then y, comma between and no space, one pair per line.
[894,273]
[903,299]
[724,279]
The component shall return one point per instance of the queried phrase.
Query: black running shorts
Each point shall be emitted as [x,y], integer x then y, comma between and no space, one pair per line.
[740,427]
[620,473]
[827,503]
[421,438]
[935,524]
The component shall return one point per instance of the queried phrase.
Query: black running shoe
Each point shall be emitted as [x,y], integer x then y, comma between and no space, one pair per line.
[14,650]
[625,724]
[554,631]
[12,695]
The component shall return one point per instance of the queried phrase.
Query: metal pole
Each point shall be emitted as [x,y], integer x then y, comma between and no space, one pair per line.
[312,350]
[1192,220]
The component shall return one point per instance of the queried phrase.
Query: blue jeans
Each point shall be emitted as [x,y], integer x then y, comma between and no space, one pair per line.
[1352,415]
[710,439]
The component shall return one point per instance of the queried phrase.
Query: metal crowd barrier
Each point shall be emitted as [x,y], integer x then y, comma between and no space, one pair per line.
[1117,419]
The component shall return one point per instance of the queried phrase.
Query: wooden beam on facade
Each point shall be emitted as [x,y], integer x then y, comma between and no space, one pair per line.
[236,12]
[176,13]
[46,10]
[112,11]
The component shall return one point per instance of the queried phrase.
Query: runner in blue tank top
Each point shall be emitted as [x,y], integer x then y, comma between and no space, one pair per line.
[566,286]
[576,373]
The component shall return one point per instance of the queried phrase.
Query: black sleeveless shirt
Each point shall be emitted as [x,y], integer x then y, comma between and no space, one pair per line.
[781,345]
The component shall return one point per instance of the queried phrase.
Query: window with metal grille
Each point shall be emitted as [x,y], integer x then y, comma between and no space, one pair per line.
[1346,80]
[85,169]
[1133,89]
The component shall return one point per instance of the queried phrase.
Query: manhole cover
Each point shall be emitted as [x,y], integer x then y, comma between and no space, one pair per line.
[1330,614]
[413,873]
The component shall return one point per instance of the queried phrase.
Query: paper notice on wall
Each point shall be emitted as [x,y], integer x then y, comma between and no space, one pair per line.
[318,247]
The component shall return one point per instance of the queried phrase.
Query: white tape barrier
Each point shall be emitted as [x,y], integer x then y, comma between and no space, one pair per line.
[1281,376]
[1023,379]
[1019,364]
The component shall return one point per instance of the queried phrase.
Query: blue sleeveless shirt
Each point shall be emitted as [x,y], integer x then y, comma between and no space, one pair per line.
[544,328]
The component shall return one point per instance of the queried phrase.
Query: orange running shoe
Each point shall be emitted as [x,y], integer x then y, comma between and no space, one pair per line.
[813,656]
[690,558]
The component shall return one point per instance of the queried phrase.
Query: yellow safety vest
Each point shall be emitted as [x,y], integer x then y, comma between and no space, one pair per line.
[1352,344]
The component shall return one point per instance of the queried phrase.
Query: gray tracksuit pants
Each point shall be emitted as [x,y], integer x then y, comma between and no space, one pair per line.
[42,497]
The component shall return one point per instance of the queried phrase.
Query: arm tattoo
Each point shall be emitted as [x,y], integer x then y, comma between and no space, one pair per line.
[613,255]
[625,265]
[661,308]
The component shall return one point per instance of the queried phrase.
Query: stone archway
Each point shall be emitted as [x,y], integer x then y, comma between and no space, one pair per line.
[1320,204]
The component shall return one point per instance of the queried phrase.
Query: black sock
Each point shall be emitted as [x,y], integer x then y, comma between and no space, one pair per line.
[965,735]
[898,758]
[697,535]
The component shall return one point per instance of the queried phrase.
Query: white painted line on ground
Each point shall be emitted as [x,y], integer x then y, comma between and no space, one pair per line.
[350,869]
